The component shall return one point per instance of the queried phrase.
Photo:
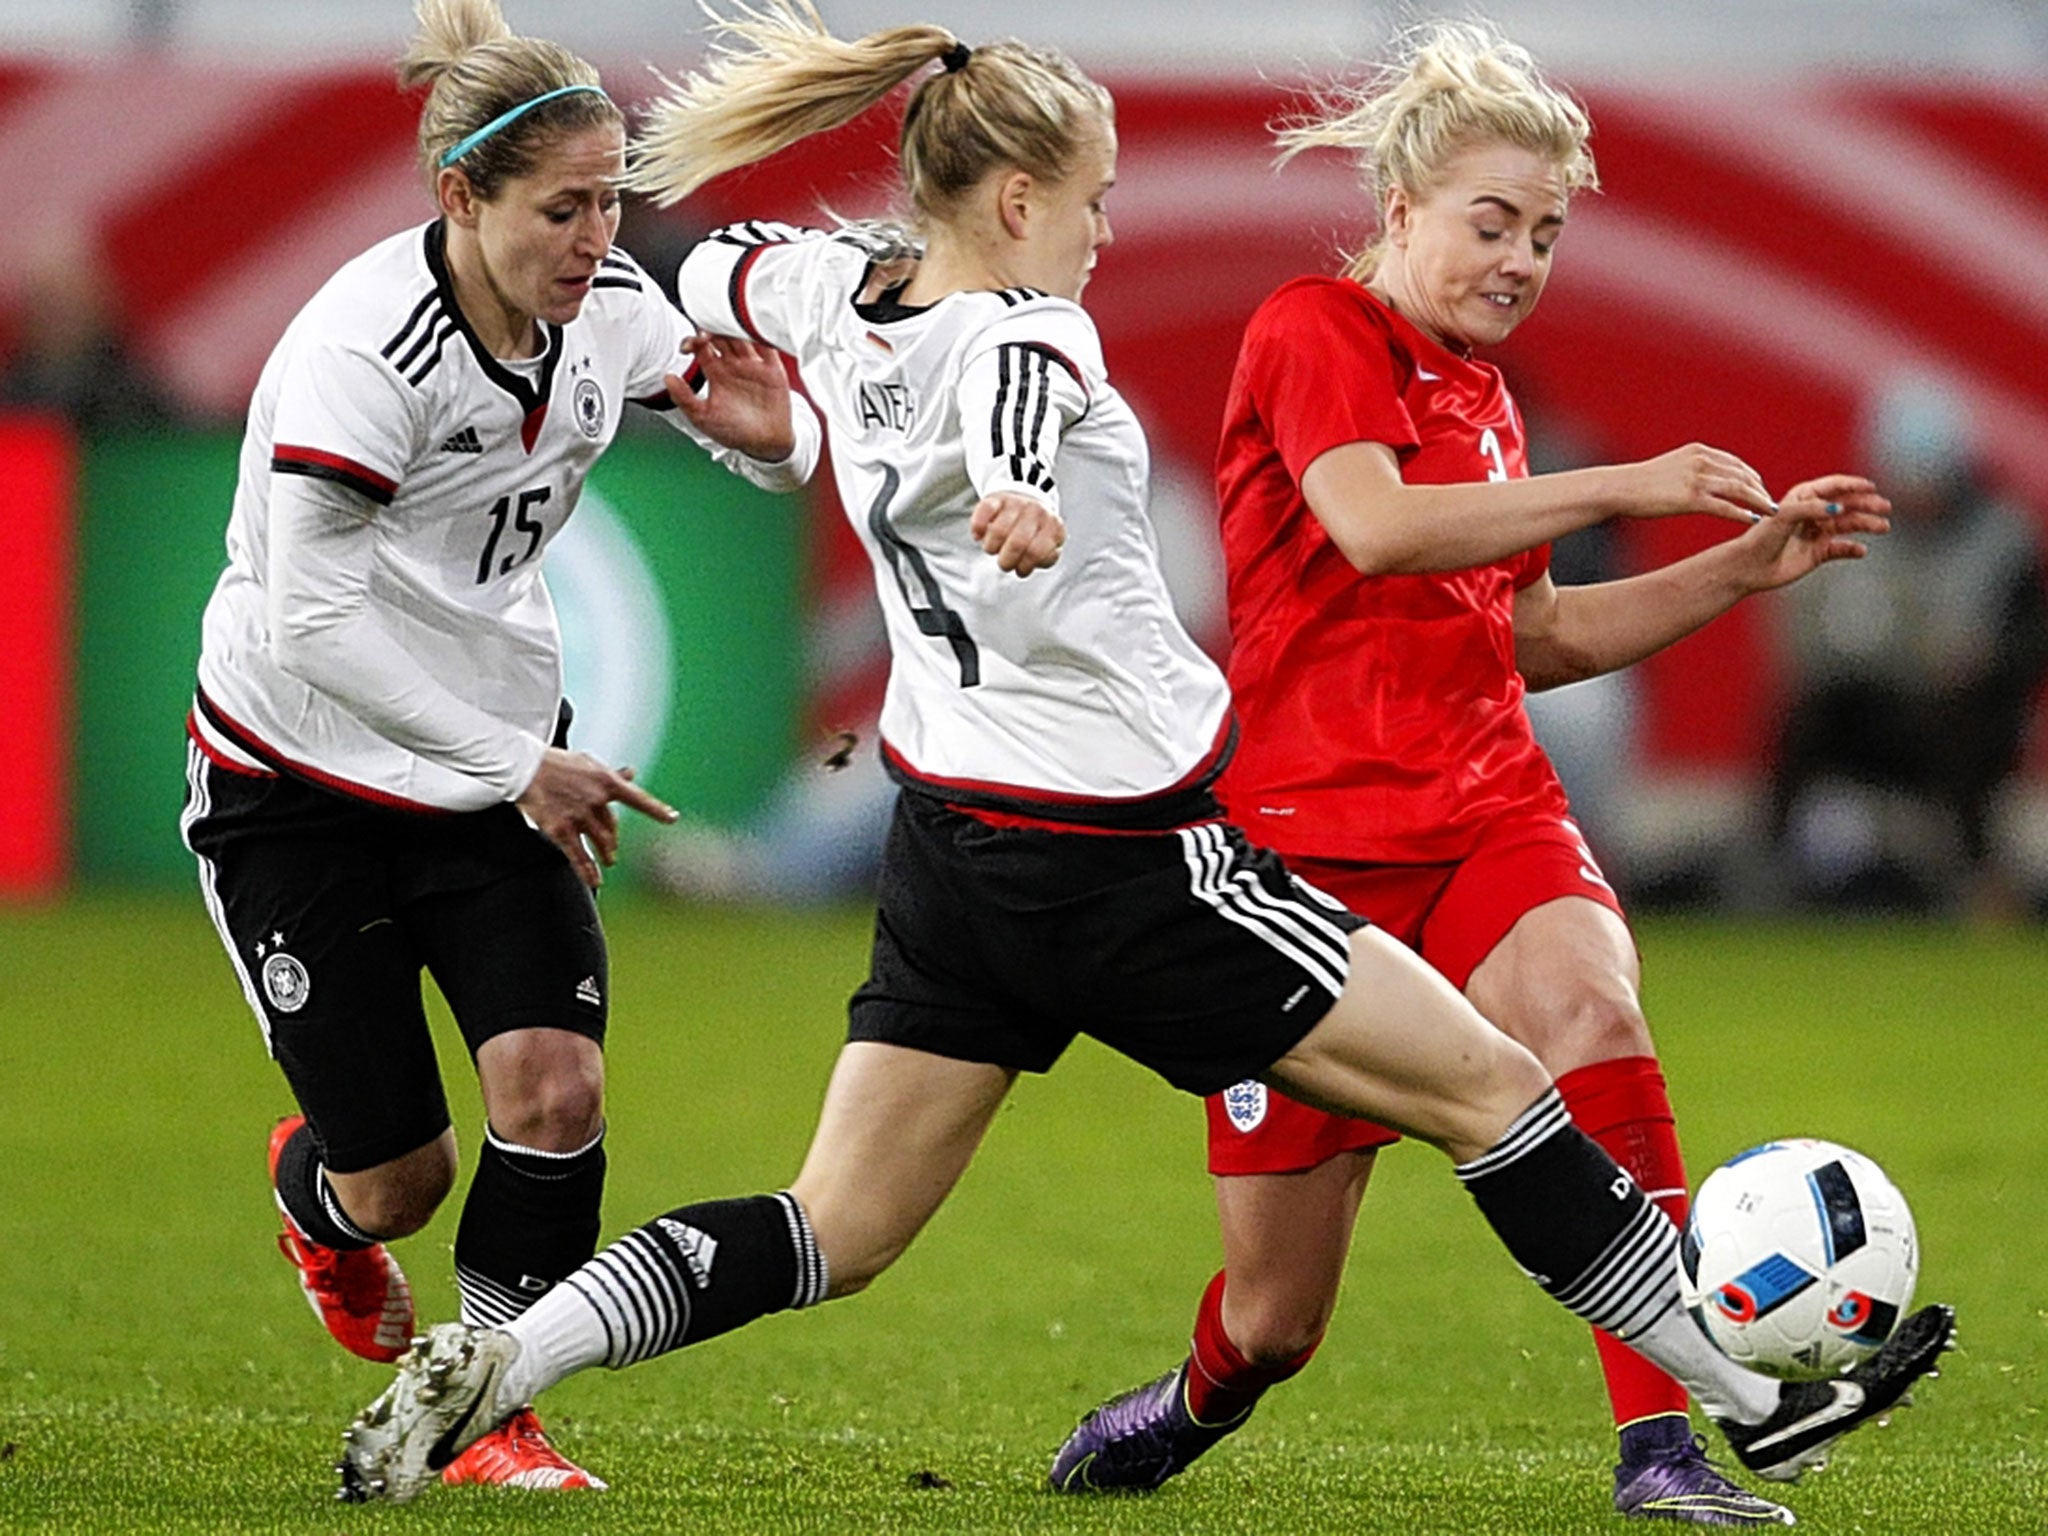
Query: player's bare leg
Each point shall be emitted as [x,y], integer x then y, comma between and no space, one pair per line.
[1284,1241]
[1401,1046]
[897,1130]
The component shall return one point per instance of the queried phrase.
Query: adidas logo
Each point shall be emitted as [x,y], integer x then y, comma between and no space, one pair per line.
[698,1248]
[465,441]
[586,992]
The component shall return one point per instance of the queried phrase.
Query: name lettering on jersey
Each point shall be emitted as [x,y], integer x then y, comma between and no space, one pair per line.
[887,404]
[1489,449]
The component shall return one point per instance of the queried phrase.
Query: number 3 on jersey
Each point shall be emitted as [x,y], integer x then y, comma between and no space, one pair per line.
[521,517]
[1489,449]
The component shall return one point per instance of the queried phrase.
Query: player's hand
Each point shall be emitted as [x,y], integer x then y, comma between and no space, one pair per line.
[1023,533]
[1812,527]
[1697,479]
[746,403]
[570,799]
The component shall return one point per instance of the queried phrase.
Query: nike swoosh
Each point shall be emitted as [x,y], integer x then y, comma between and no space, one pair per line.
[443,1450]
[1848,1398]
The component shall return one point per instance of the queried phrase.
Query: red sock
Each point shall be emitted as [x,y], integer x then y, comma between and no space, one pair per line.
[1622,1104]
[1222,1384]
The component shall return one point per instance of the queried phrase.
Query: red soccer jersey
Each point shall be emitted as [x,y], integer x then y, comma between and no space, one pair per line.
[1382,715]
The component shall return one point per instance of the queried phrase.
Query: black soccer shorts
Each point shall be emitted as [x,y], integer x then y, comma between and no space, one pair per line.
[330,908]
[1189,951]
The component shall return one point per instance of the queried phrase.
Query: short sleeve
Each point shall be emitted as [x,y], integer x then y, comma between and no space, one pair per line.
[1322,373]
[659,330]
[344,415]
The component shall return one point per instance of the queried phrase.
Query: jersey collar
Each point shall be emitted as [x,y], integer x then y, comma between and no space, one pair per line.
[533,396]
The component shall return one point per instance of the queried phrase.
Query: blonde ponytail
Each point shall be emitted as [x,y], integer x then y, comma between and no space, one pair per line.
[777,75]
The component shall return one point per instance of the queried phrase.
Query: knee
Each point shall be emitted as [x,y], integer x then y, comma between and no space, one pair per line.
[558,1109]
[1588,1024]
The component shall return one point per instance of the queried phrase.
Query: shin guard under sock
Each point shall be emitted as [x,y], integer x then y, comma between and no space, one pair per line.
[530,1218]
[1623,1105]
[691,1275]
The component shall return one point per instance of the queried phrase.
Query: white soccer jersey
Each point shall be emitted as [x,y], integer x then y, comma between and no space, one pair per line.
[382,626]
[1077,688]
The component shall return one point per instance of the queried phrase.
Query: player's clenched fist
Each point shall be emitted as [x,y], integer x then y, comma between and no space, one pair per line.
[1022,532]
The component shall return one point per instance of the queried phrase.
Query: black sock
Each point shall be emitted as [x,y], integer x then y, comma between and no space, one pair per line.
[1575,1222]
[700,1271]
[531,1218]
[303,1191]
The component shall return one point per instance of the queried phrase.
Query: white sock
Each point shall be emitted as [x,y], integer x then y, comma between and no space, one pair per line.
[1717,1384]
[558,1336]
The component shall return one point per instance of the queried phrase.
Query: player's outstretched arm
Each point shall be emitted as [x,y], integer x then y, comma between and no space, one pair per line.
[1385,526]
[570,800]
[1567,634]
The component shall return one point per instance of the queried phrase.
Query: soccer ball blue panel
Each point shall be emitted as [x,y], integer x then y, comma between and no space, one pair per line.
[1799,1258]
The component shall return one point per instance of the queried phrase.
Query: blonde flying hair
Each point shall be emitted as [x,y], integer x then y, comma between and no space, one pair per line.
[476,70]
[1448,86]
[776,75]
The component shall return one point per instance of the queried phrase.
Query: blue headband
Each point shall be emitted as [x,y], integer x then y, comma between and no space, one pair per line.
[506,119]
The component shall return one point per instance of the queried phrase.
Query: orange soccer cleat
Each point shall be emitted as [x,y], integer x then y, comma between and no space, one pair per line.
[517,1455]
[360,1295]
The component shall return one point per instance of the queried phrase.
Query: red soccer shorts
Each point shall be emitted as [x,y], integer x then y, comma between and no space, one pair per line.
[1450,914]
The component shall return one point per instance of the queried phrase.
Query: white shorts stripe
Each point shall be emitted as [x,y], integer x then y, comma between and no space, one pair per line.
[1305,936]
[198,801]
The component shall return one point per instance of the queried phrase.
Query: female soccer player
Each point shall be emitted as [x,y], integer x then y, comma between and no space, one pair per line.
[1390,601]
[1056,863]
[378,773]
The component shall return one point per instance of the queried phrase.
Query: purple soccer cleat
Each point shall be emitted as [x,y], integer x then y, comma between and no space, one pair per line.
[1136,1441]
[1678,1483]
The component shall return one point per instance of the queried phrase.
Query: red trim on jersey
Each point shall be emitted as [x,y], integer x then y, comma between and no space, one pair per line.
[214,754]
[1062,359]
[256,746]
[529,429]
[1033,795]
[736,290]
[293,458]
[1010,822]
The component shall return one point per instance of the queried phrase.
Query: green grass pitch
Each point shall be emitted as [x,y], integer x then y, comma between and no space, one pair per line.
[159,1372]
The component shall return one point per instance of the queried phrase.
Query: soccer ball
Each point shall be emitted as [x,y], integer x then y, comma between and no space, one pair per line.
[1799,1258]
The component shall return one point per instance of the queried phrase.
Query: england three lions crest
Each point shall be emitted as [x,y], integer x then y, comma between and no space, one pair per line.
[1245,1103]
